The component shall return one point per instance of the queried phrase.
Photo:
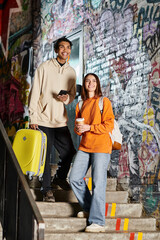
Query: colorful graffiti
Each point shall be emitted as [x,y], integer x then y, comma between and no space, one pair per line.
[121,46]
[15,63]
[14,93]
[122,58]
[66,16]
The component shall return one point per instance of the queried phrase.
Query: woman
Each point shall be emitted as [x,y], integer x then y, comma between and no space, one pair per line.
[94,150]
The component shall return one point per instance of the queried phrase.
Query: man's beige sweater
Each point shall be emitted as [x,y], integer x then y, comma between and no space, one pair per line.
[45,109]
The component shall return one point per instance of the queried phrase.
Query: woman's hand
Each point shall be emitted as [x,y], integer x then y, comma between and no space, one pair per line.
[83,128]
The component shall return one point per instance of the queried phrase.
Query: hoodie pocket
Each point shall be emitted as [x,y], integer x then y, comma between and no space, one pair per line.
[52,111]
[43,110]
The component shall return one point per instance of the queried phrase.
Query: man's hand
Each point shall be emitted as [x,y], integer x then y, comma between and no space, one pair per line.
[63,97]
[83,128]
[33,126]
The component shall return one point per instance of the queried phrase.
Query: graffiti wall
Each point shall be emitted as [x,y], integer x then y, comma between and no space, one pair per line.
[122,46]
[15,63]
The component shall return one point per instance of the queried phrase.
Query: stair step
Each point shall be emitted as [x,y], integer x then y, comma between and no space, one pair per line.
[111,196]
[111,183]
[79,224]
[100,236]
[62,209]
[68,196]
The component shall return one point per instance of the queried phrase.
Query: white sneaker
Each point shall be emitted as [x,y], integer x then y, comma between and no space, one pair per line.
[95,228]
[83,214]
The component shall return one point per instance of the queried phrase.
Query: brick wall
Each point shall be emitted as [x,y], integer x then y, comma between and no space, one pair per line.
[122,46]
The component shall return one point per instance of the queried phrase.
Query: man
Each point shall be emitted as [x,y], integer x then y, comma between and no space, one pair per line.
[47,112]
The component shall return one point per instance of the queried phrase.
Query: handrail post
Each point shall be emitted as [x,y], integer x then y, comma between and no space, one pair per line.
[19,215]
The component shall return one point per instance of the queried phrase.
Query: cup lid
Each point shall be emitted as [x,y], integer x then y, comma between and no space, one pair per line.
[79,119]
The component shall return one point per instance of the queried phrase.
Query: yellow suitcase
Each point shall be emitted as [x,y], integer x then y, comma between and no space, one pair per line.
[30,149]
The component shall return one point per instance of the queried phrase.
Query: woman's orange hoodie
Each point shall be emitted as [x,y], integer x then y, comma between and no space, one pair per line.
[97,139]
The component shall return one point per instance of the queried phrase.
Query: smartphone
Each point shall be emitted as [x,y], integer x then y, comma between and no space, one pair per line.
[63,92]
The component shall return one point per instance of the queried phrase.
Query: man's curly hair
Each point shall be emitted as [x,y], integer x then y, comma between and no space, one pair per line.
[62,39]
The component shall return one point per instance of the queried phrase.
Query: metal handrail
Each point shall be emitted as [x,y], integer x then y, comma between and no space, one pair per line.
[19,215]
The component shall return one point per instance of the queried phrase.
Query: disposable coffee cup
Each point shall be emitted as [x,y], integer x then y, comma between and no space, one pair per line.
[80,121]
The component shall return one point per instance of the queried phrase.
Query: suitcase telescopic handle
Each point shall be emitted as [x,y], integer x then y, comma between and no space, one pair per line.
[43,149]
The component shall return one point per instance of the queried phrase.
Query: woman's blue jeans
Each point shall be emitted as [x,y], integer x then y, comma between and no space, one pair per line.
[94,202]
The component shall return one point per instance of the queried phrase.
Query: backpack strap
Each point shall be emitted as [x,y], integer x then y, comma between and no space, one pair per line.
[101,104]
[80,103]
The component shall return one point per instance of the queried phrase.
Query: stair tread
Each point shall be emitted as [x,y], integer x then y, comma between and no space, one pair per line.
[71,209]
[76,203]
[65,209]
[61,221]
[107,232]
[68,196]
[78,224]
[110,218]
[99,236]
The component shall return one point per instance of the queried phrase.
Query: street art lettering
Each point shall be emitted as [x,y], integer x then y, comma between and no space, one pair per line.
[118,4]
[155,75]
[149,29]
[121,67]
[153,43]
[147,15]
[155,97]
[155,100]
[123,171]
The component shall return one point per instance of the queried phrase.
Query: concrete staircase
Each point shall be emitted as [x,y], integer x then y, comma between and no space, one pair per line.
[124,221]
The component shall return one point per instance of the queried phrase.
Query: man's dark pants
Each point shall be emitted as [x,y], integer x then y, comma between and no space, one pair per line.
[62,141]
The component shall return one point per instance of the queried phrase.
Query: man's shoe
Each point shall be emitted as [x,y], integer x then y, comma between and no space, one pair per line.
[95,228]
[48,197]
[62,183]
[83,214]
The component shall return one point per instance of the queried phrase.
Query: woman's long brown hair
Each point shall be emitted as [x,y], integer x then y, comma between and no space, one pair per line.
[98,92]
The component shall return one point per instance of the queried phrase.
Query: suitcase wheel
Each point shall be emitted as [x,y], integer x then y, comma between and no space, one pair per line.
[40,178]
[30,175]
